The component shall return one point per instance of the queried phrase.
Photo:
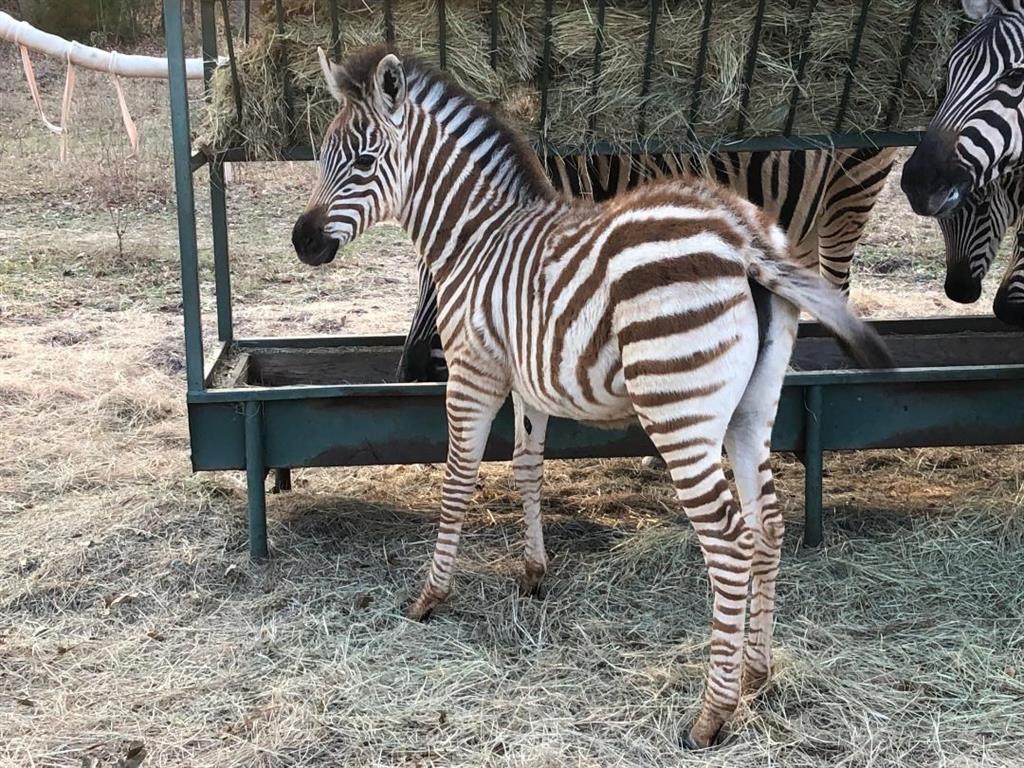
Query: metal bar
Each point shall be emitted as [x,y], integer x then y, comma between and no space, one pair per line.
[218,203]
[990,373]
[868,139]
[214,362]
[221,261]
[858,35]
[813,526]
[921,326]
[645,85]
[231,61]
[389,23]
[749,66]
[545,71]
[255,472]
[598,53]
[938,376]
[442,35]
[208,31]
[335,31]
[198,160]
[494,34]
[317,342]
[246,19]
[901,73]
[853,140]
[702,62]
[805,55]
[289,109]
[185,194]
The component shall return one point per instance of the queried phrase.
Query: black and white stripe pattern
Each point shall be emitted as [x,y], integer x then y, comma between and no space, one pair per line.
[674,305]
[977,132]
[822,198]
[973,234]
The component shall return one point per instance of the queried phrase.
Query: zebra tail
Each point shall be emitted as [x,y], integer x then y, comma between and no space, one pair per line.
[824,303]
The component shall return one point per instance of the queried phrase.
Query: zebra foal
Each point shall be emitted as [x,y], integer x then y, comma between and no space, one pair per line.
[645,307]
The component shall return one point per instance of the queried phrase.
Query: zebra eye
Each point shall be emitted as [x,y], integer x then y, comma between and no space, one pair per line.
[363,162]
[1013,77]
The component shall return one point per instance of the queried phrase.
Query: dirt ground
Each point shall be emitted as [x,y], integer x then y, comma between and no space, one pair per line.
[134,629]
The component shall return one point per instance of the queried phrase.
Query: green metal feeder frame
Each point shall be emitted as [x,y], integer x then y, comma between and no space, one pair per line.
[273,403]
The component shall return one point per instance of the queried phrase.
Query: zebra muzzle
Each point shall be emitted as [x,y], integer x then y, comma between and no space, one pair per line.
[312,243]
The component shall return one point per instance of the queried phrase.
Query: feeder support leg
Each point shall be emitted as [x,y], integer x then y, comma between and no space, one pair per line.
[813,525]
[255,472]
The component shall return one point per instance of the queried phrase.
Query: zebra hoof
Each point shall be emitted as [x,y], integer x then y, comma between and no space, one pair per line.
[424,605]
[416,612]
[755,682]
[689,744]
[529,588]
[695,743]
[531,583]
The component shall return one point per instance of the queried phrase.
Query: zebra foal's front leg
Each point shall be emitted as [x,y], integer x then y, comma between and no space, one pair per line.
[528,470]
[473,398]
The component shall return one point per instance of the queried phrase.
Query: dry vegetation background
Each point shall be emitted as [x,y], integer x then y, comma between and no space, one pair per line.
[134,630]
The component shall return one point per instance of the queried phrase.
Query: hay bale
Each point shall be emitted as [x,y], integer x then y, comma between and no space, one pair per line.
[271,120]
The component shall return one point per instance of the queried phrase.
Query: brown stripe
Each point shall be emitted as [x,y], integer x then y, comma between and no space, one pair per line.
[709,496]
[689,461]
[658,399]
[681,364]
[681,322]
[682,422]
[689,268]
[686,483]
[682,445]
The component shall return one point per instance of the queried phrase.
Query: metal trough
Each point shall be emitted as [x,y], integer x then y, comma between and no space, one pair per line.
[327,401]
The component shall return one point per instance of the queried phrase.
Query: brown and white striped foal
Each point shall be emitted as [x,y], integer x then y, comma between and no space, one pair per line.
[645,307]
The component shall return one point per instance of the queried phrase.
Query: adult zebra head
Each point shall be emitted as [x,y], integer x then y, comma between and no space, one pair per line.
[978,131]
[973,232]
[360,158]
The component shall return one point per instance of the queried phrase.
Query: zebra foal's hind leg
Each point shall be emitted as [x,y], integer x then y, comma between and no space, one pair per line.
[727,543]
[528,470]
[473,398]
[688,434]
[748,443]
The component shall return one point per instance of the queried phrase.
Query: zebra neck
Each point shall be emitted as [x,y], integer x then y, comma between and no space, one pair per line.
[463,173]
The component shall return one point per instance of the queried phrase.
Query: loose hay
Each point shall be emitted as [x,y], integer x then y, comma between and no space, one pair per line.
[615,96]
[898,644]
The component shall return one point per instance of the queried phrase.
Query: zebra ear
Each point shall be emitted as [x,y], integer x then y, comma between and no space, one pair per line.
[976,9]
[389,87]
[332,73]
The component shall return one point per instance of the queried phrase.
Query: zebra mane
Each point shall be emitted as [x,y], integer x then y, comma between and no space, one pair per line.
[354,78]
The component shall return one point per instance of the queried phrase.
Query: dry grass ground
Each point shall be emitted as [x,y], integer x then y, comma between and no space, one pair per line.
[132,624]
